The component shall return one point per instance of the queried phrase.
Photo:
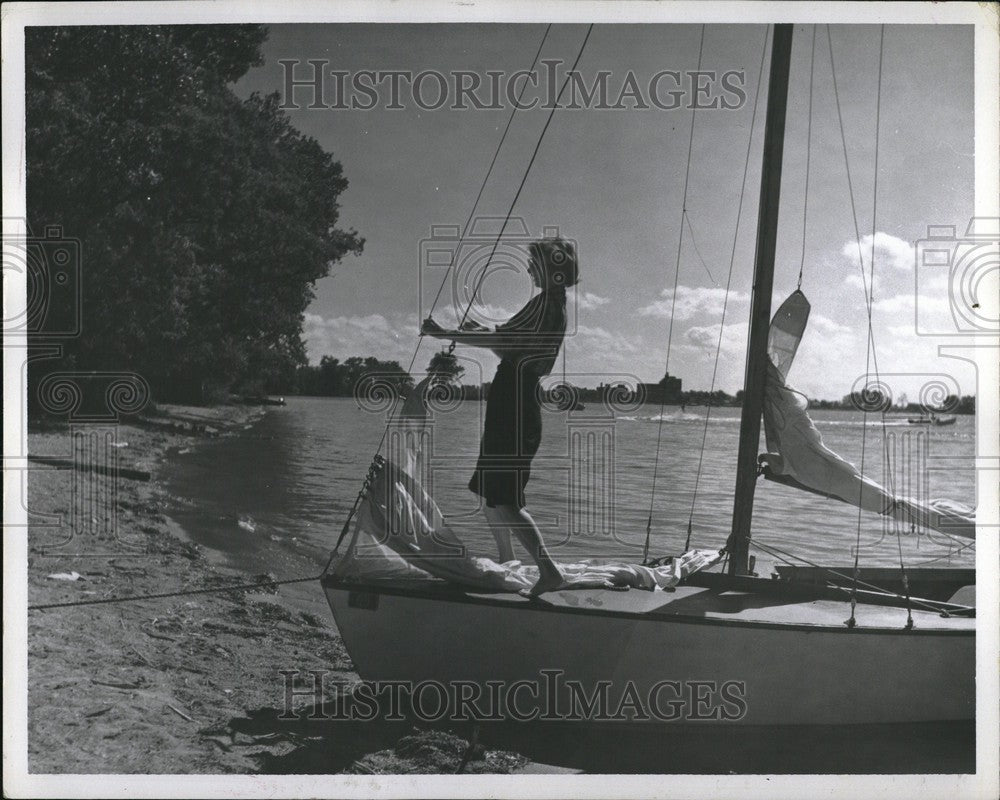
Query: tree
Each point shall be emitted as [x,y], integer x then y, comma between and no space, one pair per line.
[445,367]
[356,376]
[967,405]
[204,220]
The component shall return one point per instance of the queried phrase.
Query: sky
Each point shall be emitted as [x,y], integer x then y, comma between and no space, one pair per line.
[612,180]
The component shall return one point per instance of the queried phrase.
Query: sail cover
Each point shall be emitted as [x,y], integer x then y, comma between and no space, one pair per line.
[797,456]
[400,536]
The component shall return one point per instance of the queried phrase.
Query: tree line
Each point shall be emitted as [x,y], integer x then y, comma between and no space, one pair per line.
[333,378]
[203,219]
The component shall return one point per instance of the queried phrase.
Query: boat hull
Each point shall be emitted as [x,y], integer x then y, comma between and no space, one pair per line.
[696,656]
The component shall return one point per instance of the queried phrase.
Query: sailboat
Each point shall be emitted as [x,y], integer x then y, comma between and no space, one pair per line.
[809,646]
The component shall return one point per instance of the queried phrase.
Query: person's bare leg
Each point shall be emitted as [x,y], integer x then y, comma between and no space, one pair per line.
[500,529]
[519,521]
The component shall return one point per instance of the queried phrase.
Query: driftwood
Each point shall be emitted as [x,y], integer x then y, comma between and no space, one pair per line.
[179,712]
[65,463]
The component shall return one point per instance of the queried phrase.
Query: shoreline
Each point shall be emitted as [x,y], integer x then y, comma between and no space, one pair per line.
[185,684]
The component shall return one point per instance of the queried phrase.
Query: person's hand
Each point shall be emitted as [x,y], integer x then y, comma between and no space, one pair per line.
[472,325]
[431,328]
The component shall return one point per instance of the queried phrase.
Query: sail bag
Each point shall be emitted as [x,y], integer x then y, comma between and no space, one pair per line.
[797,456]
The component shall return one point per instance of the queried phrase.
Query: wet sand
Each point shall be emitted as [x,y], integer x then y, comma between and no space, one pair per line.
[187,684]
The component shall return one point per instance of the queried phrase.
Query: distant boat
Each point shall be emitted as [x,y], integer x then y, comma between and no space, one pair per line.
[259,400]
[932,419]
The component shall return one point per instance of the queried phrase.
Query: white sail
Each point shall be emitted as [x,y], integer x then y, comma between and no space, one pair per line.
[797,456]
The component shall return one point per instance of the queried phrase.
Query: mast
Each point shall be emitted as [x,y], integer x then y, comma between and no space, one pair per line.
[760,310]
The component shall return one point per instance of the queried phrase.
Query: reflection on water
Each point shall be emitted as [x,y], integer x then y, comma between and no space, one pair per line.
[275,498]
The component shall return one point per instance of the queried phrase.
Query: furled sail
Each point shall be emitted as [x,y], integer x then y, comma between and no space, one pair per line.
[797,456]
[400,536]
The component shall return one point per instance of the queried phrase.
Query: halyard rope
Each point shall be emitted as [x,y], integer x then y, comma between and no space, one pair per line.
[725,302]
[673,304]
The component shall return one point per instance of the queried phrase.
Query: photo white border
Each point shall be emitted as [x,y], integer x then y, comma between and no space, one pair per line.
[18,783]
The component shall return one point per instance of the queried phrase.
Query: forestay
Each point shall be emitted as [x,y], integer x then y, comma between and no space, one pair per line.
[797,456]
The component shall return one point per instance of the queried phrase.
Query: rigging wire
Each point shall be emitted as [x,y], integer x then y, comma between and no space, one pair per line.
[725,302]
[524,179]
[437,296]
[673,303]
[784,555]
[489,172]
[869,296]
[805,199]
[869,286]
[697,251]
[962,546]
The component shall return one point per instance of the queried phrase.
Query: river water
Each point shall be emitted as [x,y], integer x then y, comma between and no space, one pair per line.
[274,498]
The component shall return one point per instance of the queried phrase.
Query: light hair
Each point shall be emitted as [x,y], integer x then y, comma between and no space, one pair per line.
[557,259]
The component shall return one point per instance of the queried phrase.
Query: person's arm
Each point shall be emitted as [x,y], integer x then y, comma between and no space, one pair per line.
[499,342]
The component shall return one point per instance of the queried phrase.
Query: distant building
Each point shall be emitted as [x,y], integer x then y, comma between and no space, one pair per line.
[666,391]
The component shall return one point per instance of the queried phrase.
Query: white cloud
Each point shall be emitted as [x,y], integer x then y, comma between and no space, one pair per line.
[826,326]
[855,281]
[889,250]
[489,314]
[706,338]
[692,302]
[586,334]
[596,355]
[588,301]
[392,338]
[898,304]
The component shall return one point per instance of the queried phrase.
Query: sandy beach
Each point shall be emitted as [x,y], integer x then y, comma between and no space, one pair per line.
[191,683]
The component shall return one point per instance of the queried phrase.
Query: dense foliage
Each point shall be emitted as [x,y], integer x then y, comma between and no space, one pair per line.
[334,378]
[355,375]
[204,220]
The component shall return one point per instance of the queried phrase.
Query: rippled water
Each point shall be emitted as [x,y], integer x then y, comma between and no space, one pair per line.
[274,499]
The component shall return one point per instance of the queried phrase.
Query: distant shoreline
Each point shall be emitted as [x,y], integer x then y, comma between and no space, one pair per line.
[814,405]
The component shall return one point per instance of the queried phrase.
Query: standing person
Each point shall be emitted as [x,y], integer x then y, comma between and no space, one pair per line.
[527,345]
